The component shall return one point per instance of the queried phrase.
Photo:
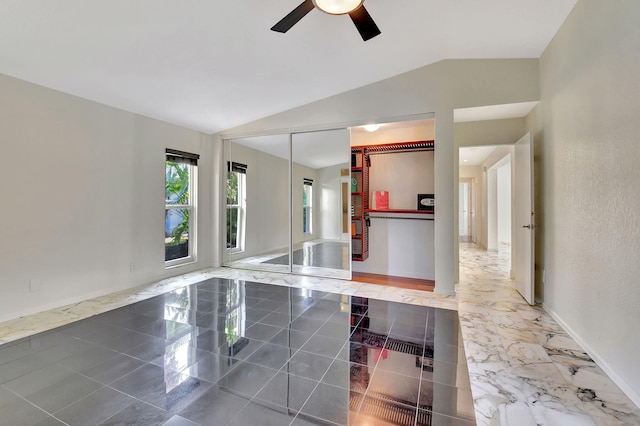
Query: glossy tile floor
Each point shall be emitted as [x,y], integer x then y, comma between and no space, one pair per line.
[241,353]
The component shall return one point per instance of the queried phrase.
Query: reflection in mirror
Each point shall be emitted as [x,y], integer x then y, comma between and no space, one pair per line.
[258,207]
[320,236]
[257,202]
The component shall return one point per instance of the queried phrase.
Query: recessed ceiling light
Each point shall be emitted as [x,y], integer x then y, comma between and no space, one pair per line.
[371,127]
[465,160]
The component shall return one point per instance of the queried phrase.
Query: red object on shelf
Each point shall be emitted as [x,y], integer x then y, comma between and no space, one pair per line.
[382,200]
[380,353]
[400,211]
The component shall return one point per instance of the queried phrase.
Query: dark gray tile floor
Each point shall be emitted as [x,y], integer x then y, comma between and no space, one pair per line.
[227,352]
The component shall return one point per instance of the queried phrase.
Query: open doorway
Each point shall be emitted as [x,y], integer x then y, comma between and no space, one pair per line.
[499,206]
[485,198]
[467,203]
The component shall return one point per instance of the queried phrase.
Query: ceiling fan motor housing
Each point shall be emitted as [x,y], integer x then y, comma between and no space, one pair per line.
[337,7]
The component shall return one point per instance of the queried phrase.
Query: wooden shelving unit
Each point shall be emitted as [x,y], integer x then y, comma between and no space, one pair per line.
[359,204]
[400,211]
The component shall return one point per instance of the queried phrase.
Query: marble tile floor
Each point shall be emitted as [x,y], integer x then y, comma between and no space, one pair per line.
[231,352]
[524,369]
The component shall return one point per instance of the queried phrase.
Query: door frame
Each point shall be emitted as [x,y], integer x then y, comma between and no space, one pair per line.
[472,208]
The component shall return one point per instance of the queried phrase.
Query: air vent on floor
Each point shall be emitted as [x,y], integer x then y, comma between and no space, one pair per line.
[390,410]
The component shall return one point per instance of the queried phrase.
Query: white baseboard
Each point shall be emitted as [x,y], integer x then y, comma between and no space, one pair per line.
[613,375]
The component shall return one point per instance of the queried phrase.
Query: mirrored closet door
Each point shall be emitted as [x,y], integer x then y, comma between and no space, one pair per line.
[320,232]
[257,203]
[287,203]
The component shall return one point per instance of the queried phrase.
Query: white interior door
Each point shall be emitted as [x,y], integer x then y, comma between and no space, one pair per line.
[524,217]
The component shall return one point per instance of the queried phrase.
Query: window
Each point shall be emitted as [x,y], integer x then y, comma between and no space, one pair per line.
[236,187]
[307,205]
[180,207]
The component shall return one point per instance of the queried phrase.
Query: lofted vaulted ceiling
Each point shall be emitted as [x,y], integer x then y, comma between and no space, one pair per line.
[212,65]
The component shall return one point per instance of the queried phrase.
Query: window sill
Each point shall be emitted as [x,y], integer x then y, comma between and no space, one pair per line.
[180,262]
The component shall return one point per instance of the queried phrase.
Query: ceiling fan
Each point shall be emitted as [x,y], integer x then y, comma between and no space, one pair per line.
[354,8]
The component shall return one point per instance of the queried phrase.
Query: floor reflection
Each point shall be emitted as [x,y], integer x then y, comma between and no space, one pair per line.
[323,258]
[235,352]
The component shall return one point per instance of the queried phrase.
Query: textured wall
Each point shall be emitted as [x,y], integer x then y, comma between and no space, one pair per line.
[589,147]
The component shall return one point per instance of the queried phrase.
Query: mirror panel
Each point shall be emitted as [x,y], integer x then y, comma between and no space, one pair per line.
[320,223]
[257,210]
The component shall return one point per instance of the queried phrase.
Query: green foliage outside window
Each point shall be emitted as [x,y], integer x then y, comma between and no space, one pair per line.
[177,193]
[232,213]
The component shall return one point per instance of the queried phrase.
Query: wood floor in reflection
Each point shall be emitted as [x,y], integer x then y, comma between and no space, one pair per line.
[400,282]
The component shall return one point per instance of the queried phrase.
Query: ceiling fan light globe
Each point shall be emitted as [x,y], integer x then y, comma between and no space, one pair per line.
[337,7]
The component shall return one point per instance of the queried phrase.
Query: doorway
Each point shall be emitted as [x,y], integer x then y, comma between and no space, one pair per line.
[485,198]
[500,206]
[467,206]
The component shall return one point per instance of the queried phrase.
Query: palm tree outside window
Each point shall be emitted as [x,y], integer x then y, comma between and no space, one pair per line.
[180,207]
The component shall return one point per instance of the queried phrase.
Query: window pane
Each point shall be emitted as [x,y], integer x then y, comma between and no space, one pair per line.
[232,227]
[305,220]
[176,183]
[176,234]
[232,188]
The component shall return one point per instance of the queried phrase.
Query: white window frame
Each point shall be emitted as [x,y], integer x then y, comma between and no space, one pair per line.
[308,208]
[193,212]
[241,208]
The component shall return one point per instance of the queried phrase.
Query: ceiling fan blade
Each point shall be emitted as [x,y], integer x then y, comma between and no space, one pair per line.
[292,18]
[364,23]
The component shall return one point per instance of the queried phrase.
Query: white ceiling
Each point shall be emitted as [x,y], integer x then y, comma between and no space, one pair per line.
[212,65]
[475,155]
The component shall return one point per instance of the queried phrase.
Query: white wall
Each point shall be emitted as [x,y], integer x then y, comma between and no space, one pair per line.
[489,190]
[588,149]
[404,175]
[492,210]
[504,203]
[83,198]
[328,192]
[489,132]
[438,88]
[400,247]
